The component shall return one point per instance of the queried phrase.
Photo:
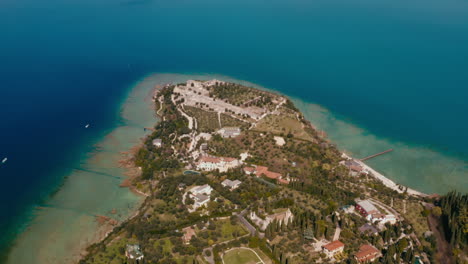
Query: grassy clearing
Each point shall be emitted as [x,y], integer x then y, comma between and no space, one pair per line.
[207,121]
[413,215]
[283,124]
[229,121]
[240,256]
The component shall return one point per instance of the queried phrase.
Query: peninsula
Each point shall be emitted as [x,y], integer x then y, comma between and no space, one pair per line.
[234,174]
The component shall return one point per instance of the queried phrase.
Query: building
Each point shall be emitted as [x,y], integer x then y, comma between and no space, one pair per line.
[367,209]
[204,146]
[201,189]
[354,167]
[333,248]
[368,229]
[231,184]
[283,216]
[134,254]
[249,170]
[371,213]
[189,232]
[367,253]
[157,142]
[222,164]
[200,200]
[228,132]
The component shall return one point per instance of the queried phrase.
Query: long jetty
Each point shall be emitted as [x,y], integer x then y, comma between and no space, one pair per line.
[378,154]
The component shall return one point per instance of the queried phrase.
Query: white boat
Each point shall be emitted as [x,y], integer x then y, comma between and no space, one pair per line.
[4,160]
[87,125]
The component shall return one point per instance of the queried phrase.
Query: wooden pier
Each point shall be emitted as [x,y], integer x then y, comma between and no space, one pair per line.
[378,154]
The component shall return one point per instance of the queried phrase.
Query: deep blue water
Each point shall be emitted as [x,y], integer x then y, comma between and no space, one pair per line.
[398,68]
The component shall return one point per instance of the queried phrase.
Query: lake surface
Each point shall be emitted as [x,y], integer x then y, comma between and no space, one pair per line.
[373,74]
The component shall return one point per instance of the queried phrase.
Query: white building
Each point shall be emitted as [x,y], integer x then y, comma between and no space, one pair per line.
[202,189]
[157,142]
[222,164]
[200,200]
[231,184]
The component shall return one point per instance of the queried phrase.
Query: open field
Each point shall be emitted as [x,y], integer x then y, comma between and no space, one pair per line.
[241,256]
[279,124]
[413,215]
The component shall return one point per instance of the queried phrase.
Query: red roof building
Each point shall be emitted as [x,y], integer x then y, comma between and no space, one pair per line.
[333,248]
[367,253]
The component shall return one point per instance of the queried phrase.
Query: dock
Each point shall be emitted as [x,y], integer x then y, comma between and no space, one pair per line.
[375,155]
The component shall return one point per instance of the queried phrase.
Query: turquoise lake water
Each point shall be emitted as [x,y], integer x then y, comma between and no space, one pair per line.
[374,74]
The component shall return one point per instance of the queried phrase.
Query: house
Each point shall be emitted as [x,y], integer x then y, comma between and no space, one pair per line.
[283,216]
[354,167]
[200,200]
[368,229]
[367,253]
[157,142]
[367,209]
[231,184]
[189,232]
[371,213]
[263,171]
[204,146]
[133,253]
[228,132]
[249,170]
[223,164]
[202,189]
[333,248]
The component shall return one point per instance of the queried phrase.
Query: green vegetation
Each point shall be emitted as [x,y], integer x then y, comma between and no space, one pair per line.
[207,121]
[229,121]
[319,186]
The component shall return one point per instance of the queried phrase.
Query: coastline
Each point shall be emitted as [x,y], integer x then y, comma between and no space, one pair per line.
[136,130]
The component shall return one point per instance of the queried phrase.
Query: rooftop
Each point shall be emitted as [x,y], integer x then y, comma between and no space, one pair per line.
[367,252]
[367,205]
[333,245]
[133,251]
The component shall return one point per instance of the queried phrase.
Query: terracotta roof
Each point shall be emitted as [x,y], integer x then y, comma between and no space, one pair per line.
[228,159]
[210,159]
[272,175]
[260,169]
[283,181]
[249,169]
[366,253]
[355,168]
[333,245]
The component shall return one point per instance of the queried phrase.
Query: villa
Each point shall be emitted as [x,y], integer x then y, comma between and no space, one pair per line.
[209,163]
[367,253]
[202,189]
[371,213]
[263,171]
[333,248]
[231,184]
